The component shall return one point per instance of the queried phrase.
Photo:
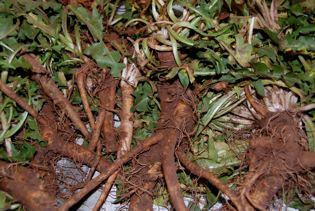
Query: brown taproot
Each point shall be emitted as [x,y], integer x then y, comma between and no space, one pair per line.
[126,123]
[81,82]
[107,96]
[177,120]
[51,90]
[27,186]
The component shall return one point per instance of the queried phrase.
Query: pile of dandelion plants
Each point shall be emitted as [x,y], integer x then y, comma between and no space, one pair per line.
[210,49]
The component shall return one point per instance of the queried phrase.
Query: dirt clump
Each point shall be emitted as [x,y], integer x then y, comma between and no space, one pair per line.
[277,151]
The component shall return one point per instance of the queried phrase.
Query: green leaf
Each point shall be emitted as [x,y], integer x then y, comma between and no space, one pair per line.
[38,22]
[105,58]
[268,52]
[303,43]
[183,77]
[32,131]
[212,152]
[2,200]
[211,8]
[296,9]
[20,63]
[76,98]
[310,132]
[180,38]
[229,2]
[204,71]
[292,78]
[211,198]
[193,206]
[17,127]
[216,105]
[6,26]
[32,123]
[28,31]
[276,72]
[243,51]
[184,178]
[259,87]
[303,205]
[171,74]
[306,29]
[93,21]
[273,36]
[143,105]
[24,153]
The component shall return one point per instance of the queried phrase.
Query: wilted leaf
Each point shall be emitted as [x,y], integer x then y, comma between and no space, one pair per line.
[243,51]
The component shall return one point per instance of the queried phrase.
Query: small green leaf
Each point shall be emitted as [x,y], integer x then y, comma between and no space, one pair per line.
[310,132]
[276,72]
[303,205]
[38,22]
[23,153]
[296,9]
[28,31]
[243,51]
[259,87]
[143,105]
[15,128]
[292,78]
[180,38]
[171,74]
[93,21]
[105,58]
[212,152]
[229,2]
[183,77]
[303,43]
[76,98]
[215,107]
[6,26]
[2,200]
[268,52]
[193,206]
[211,198]
[273,36]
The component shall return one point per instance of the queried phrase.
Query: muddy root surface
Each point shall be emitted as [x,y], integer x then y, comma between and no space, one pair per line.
[277,152]
[177,120]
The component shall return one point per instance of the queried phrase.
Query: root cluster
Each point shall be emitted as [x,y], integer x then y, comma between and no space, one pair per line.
[274,155]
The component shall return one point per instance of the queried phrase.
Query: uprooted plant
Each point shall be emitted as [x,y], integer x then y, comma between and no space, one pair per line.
[279,138]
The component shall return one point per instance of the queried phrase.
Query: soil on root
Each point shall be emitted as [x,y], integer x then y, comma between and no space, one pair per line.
[150,163]
[31,185]
[275,154]
[277,151]
[177,119]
